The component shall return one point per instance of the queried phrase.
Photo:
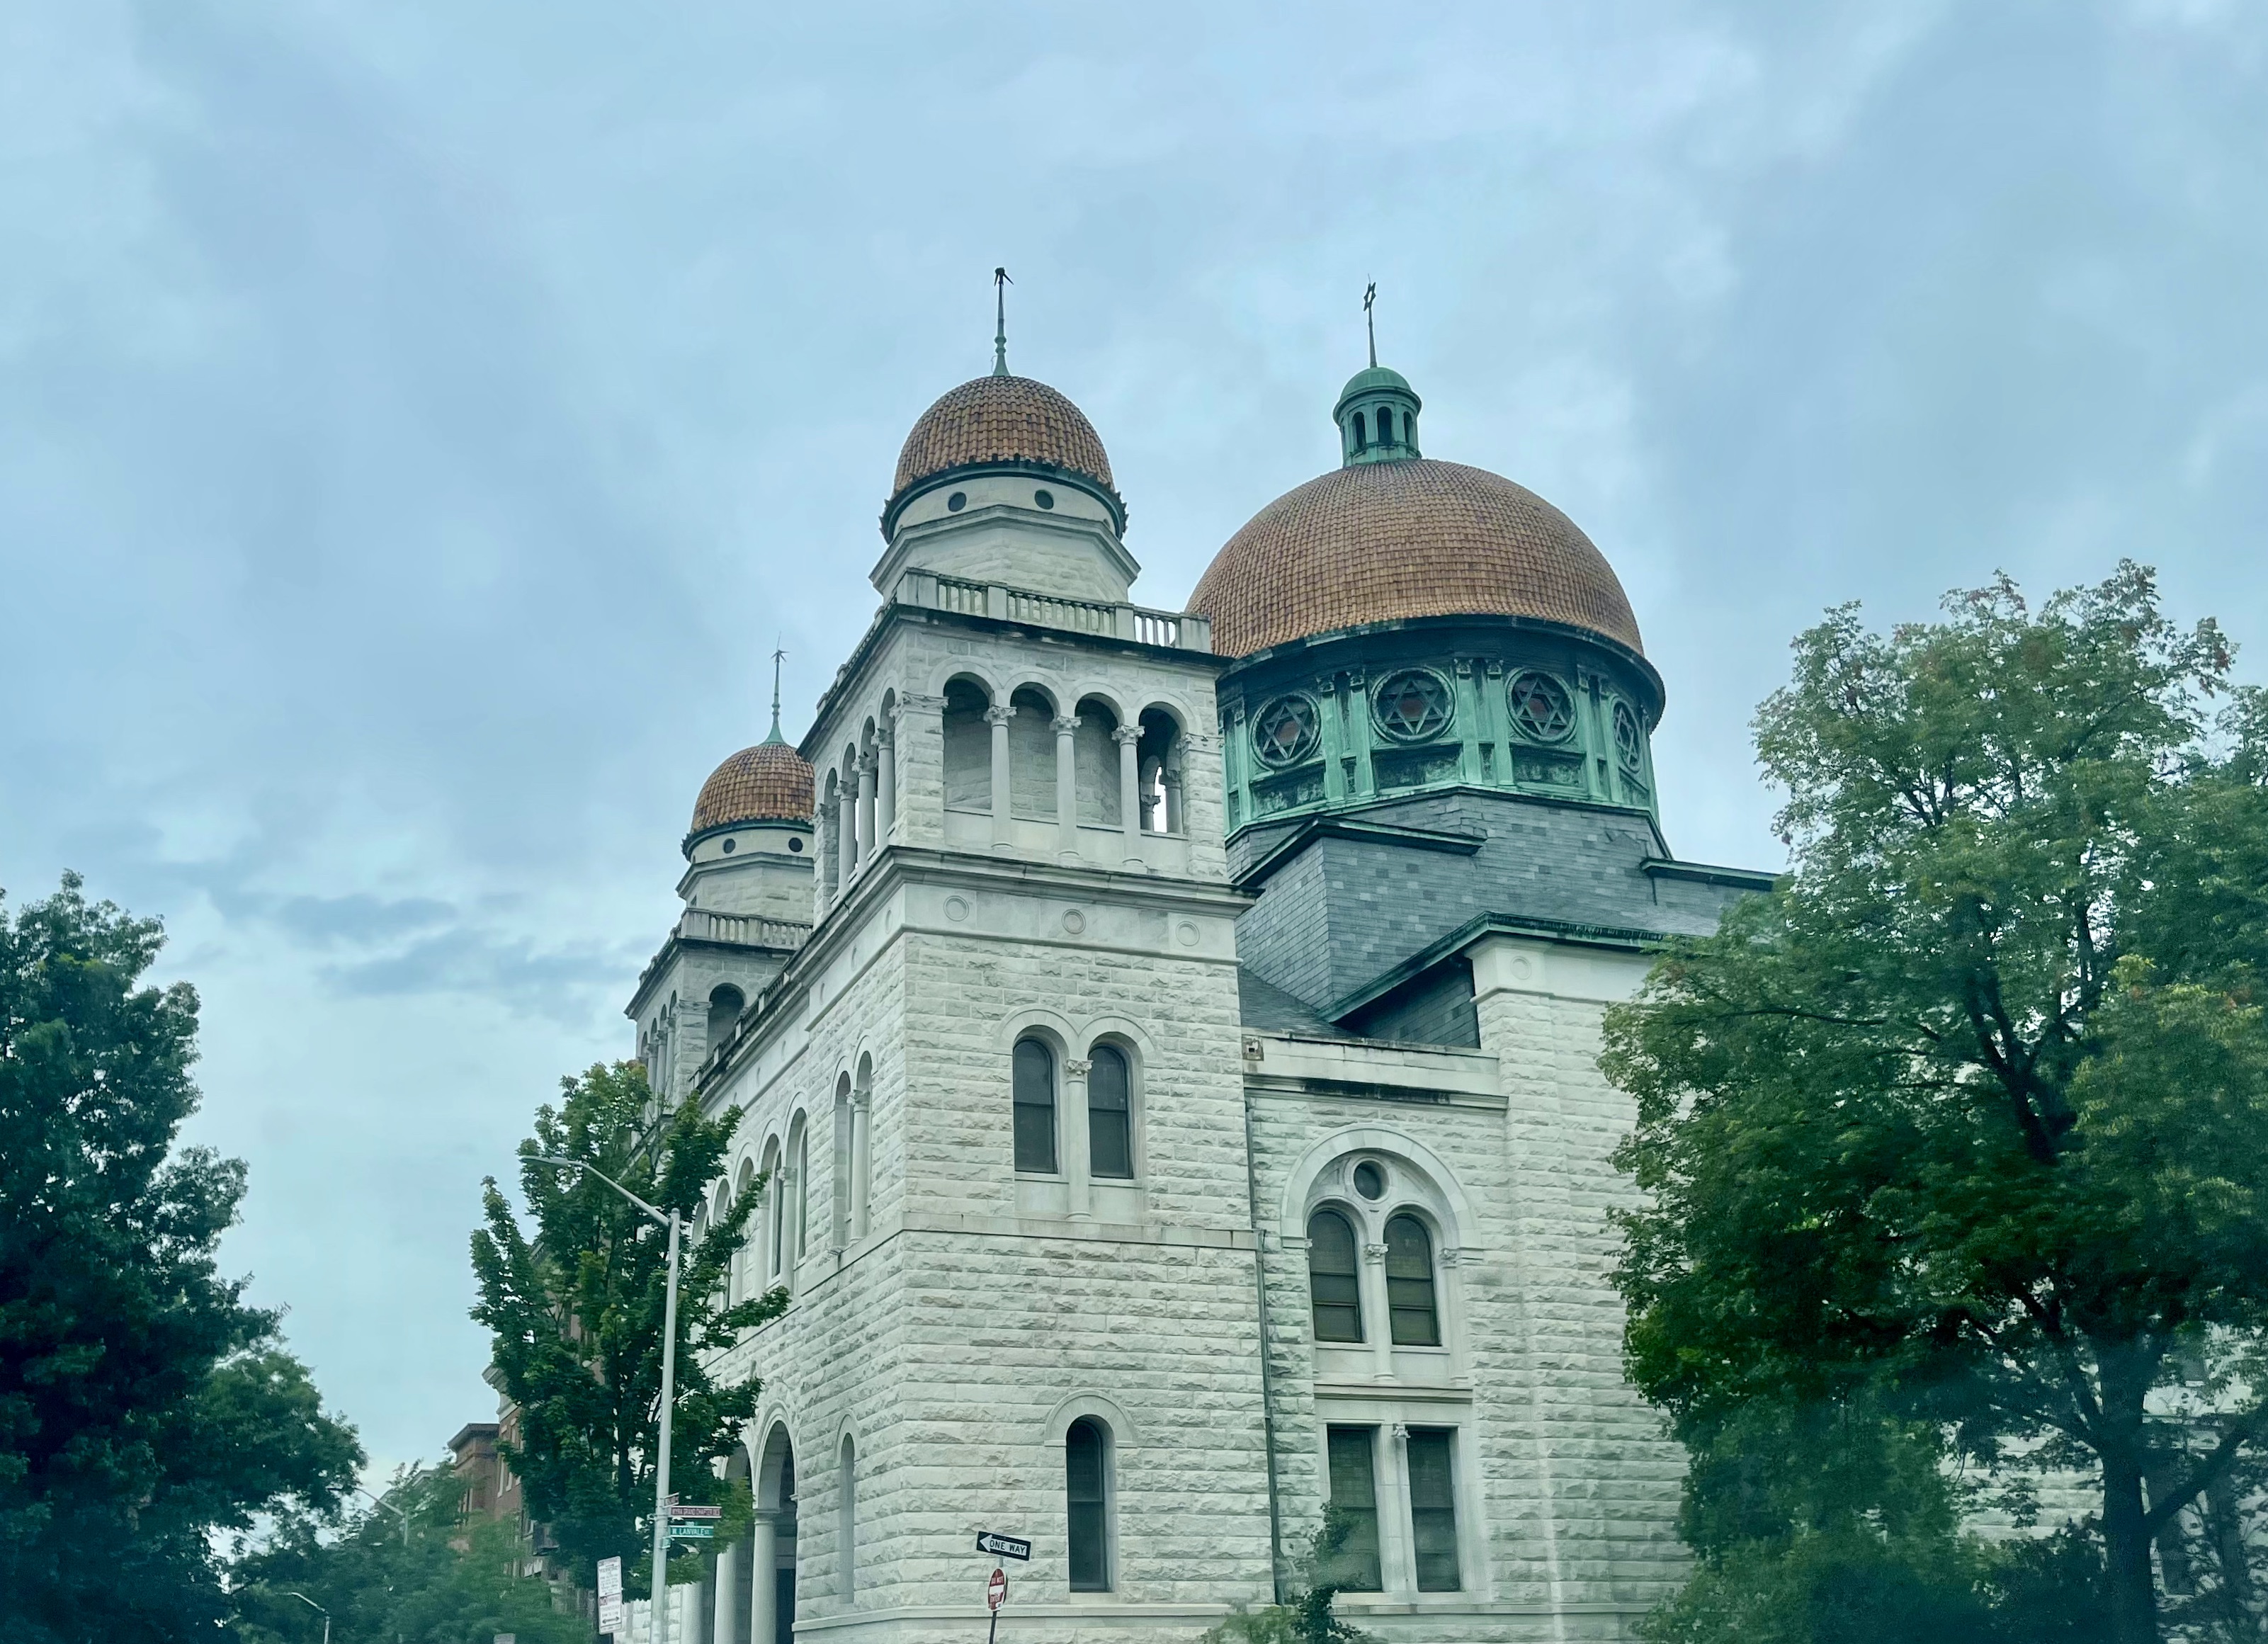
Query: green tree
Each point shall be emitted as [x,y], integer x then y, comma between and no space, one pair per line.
[1308,1613]
[142,1405]
[577,1308]
[1968,1119]
[414,1570]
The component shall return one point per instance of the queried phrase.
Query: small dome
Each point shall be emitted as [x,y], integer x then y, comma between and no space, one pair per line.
[766,783]
[1375,541]
[1002,419]
[1375,379]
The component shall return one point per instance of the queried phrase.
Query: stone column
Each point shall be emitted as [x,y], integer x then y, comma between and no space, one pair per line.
[862,1162]
[1401,1572]
[866,776]
[886,791]
[763,1585]
[1066,729]
[1078,1158]
[1130,787]
[1378,1312]
[997,717]
[822,870]
[1175,821]
[846,824]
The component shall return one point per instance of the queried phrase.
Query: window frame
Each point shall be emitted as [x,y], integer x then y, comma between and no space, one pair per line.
[1343,1437]
[1053,1107]
[1123,1112]
[1395,1307]
[1101,1506]
[1448,1507]
[1349,1224]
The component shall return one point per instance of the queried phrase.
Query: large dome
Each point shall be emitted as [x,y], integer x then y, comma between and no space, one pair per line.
[1002,419]
[766,783]
[1374,541]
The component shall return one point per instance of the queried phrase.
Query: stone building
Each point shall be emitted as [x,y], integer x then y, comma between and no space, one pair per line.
[1168,1040]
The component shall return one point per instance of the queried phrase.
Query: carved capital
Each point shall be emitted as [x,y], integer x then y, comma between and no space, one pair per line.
[1375,1254]
[1078,1069]
[862,1100]
[918,702]
[866,761]
[998,715]
[1064,723]
[1402,1432]
[1126,736]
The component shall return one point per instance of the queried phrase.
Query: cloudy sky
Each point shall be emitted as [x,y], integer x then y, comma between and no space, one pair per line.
[417,421]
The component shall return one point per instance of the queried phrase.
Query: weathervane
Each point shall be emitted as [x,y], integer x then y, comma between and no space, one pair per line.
[1370,321]
[1000,284]
[778,656]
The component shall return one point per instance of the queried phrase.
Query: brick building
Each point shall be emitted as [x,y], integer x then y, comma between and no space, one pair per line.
[1171,1037]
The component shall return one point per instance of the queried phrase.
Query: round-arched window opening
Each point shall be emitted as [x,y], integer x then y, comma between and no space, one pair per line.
[794,844]
[1541,708]
[955,503]
[1370,1179]
[1285,732]
[1046,500]
[1630,742]
[1412,705]
[731,846]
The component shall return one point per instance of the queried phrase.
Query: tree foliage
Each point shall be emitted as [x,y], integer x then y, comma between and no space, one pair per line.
[142,1405]
[577,1307]
[1308,1613]
[1967,1121]
[410,1570]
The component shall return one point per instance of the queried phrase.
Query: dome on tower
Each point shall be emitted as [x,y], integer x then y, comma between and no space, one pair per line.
[1002,419]
[766,783]
[1393,535]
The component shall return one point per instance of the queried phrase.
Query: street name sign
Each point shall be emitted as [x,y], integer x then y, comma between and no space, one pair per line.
[682,1511]
[1004,1546]
[700,1530]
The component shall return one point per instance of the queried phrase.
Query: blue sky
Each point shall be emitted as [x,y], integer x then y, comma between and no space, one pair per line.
[417,421]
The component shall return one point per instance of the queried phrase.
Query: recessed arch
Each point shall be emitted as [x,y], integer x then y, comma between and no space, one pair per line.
[1089,1402]
[1302,1188]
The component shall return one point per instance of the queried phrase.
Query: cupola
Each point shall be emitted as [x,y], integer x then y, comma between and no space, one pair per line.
[1377,415]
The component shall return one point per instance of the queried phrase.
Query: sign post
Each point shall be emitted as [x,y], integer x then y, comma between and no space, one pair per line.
[996,1594]
[610,1598]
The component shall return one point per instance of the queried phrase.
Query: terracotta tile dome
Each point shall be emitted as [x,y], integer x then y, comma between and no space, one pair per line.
[766,783]
[1002,419]
[1378,541]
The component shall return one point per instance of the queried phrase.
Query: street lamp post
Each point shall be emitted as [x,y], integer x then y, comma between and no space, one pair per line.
[318,1609]
[668,1397]
[401,1512]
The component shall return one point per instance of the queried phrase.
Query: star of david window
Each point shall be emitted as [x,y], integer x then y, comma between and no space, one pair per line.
[1541,708]
[1412,705]
[1285,732]
[1630,744]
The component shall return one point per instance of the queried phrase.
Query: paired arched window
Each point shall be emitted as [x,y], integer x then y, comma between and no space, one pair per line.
[1110,1114]
[1087,1504]
[1413,1319]
[1035,1080]
[1334,1277]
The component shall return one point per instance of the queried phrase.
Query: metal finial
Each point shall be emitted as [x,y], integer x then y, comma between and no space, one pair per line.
[778,657]
[1000,284]
[1370,321]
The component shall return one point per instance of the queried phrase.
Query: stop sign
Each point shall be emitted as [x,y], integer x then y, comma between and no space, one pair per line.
[996,1590]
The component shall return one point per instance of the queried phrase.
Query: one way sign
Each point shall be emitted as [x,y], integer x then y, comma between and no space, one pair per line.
[1005,1547]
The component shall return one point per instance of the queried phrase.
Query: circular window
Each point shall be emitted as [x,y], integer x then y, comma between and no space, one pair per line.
[955,503]
[794,844]
[1370,1179]
[731,846]
[1046,500]
[1285,732]
[1629,742]
[1541,708]
[1412,705]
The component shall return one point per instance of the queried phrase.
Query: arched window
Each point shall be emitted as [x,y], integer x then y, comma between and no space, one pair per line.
[775,1198]
[1361,431]
[1087,1502]
[802,1189]
[1411,1315]
[1109,1114]
[724,1005]
[846,1517]
[1334,1277]
[1035,1107]
[968,748]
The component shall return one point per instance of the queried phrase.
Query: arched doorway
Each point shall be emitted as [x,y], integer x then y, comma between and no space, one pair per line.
[775,1540]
